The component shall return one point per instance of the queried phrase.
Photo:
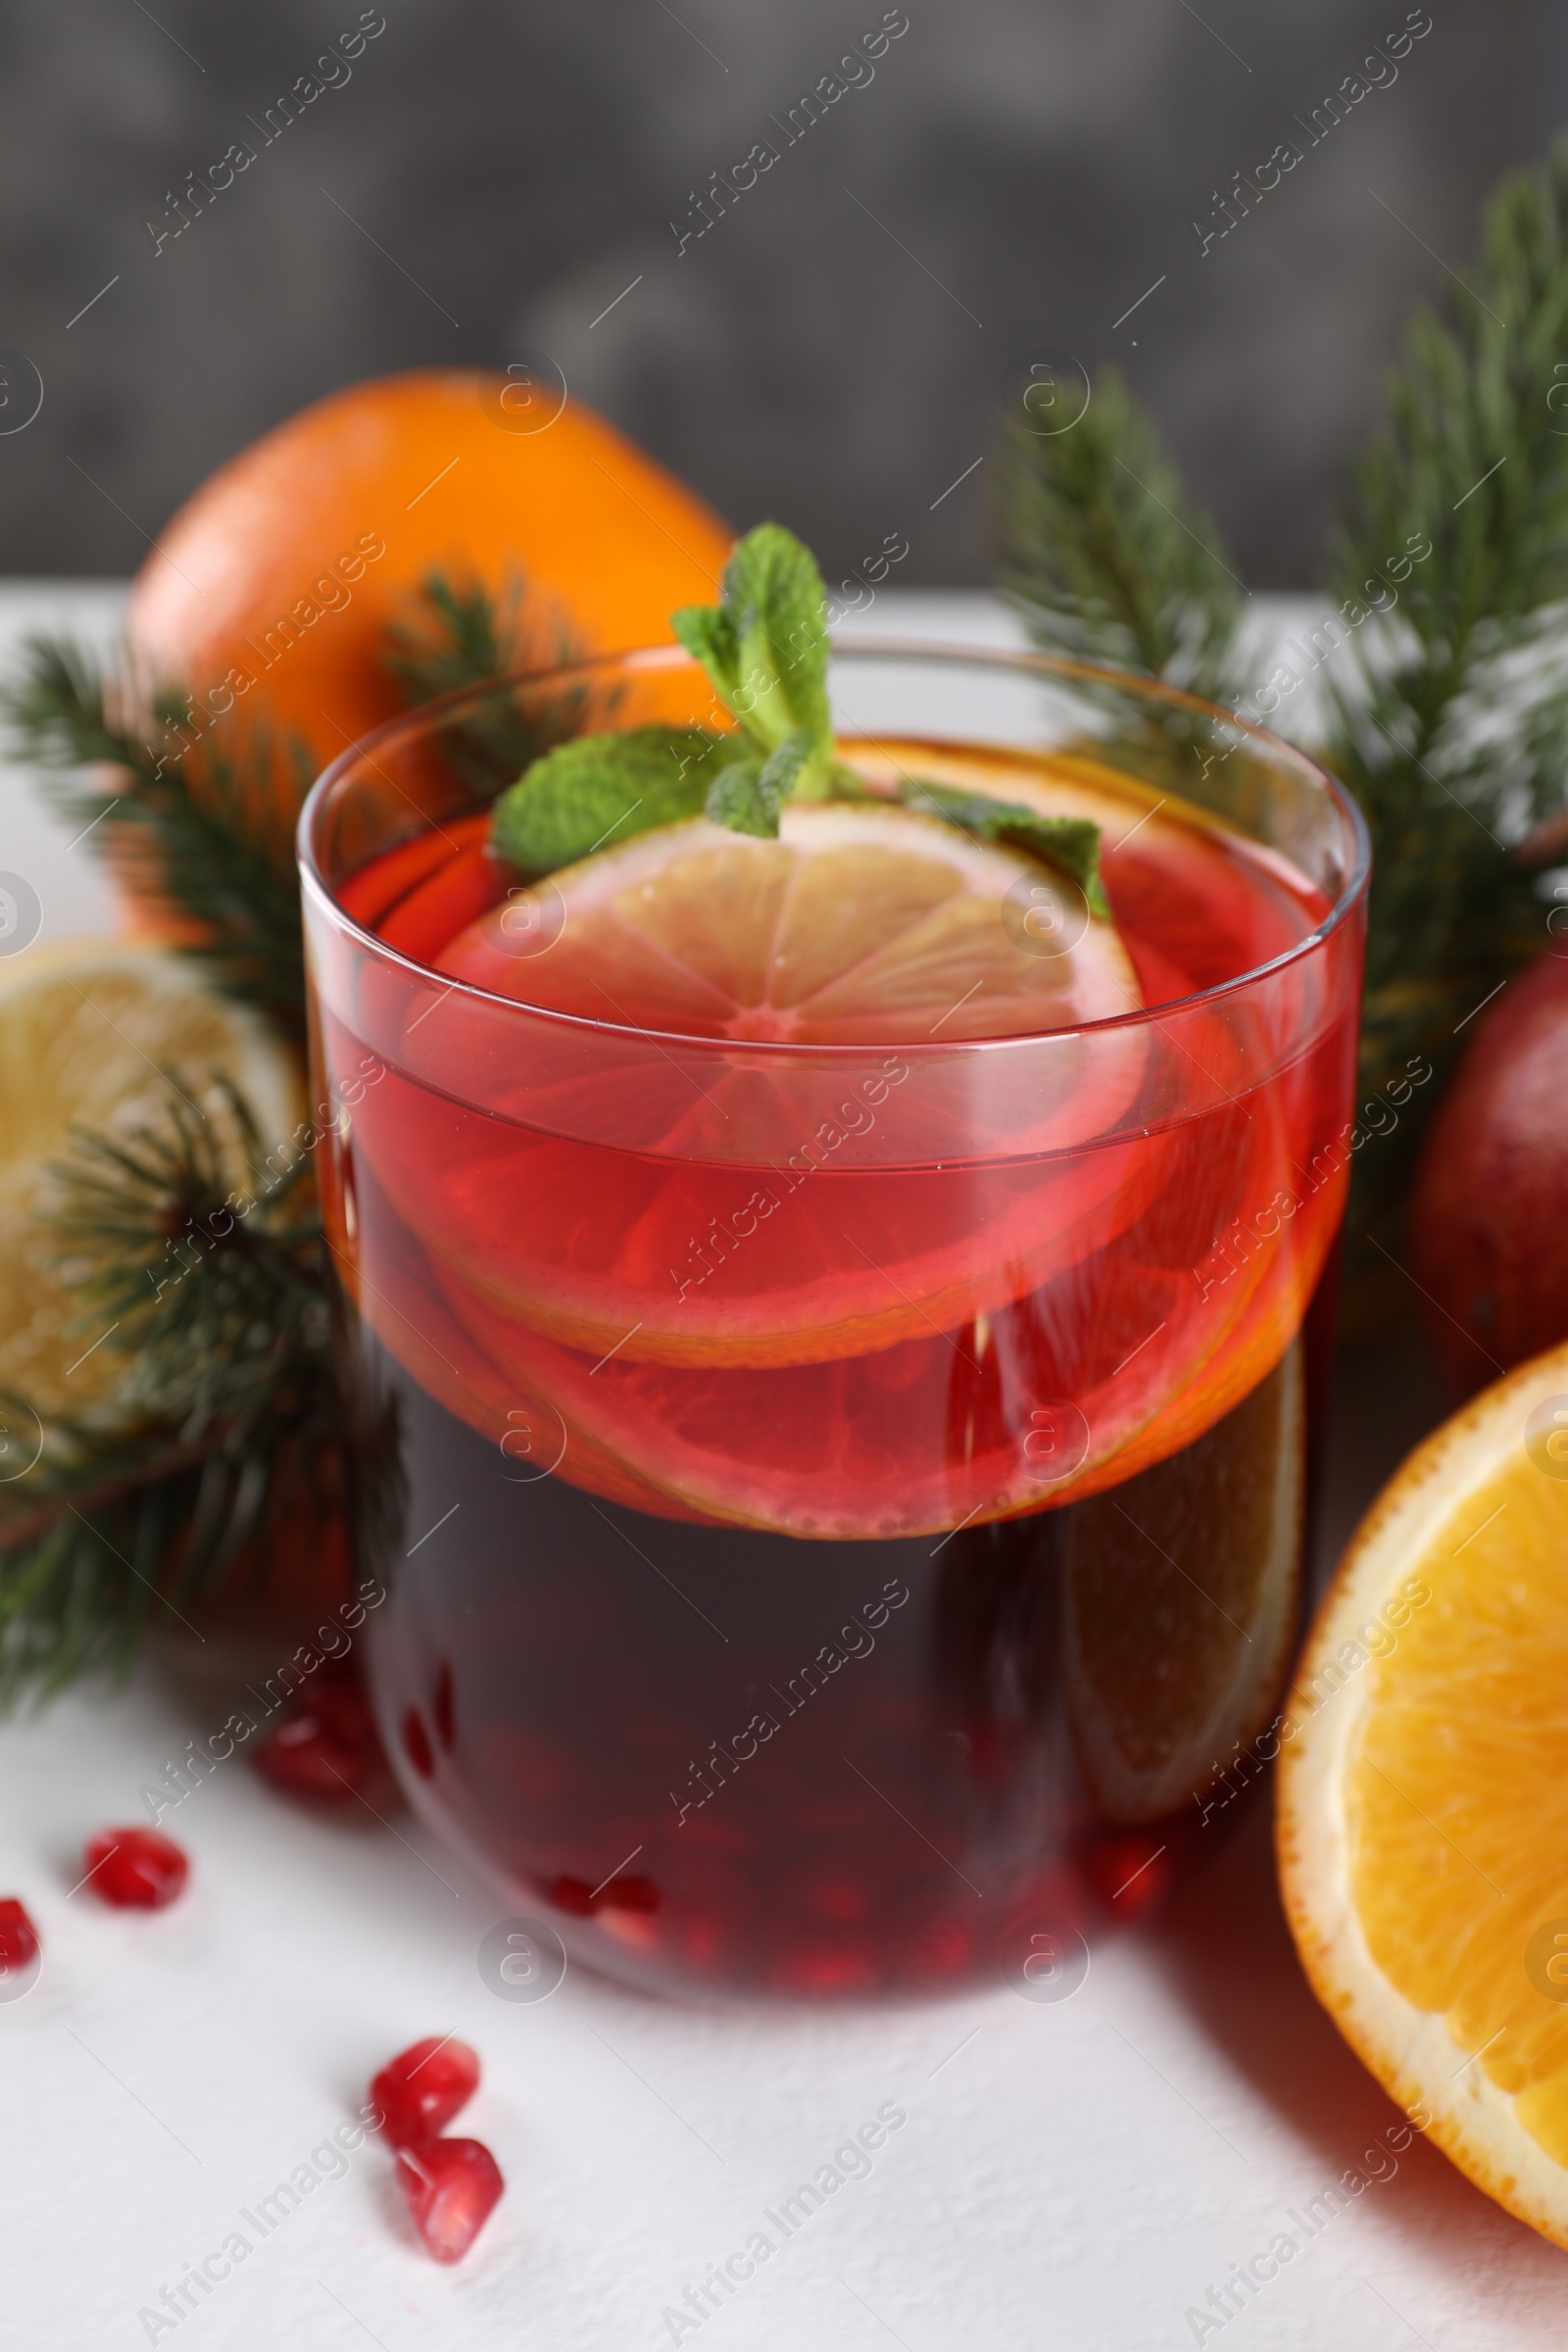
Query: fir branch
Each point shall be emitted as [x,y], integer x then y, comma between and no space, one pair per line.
[1449,721]
[76,1595]
[228,1410]
[1451,728]
[228,1415]
[101,1557]
[1105,556]
[457,634]
[217,1290]
[211,837]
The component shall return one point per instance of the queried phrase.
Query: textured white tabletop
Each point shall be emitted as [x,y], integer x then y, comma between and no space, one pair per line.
[1070,2176]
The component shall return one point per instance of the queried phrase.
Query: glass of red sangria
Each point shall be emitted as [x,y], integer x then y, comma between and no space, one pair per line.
[833,1319]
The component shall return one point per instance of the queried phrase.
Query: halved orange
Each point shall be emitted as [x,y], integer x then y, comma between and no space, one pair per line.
[1423,1794]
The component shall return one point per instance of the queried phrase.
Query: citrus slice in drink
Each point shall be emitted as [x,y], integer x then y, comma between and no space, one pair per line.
[1180,1598]
[101,1034]
[1010,1412]
[1423,1794]
[860,927]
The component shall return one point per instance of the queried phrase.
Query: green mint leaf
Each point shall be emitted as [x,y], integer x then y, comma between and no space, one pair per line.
[775,598]
[1072,844]
[709,636]
[599,790]
[748,794]
[765,648]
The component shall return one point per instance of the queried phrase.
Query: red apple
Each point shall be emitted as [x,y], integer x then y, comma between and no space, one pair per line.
[1489,1216]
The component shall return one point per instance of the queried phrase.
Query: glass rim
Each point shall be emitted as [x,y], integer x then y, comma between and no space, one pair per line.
[410,725]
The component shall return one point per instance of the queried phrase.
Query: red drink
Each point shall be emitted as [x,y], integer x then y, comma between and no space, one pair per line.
[842,1499]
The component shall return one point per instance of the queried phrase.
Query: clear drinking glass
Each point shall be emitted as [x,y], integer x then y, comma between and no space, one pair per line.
[842,1506]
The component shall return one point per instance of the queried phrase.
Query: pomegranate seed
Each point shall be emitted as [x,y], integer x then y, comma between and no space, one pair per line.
[581,1901]
[139,1870]
[1130,1871]
[420,2091]
[326,1746]
[452,2186]
[634,1894]
[444,1709]
[573,1895]
[19,1944]
[417,1745]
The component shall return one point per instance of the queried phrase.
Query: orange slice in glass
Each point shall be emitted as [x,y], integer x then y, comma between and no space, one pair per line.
[1180,1599]
[858,926]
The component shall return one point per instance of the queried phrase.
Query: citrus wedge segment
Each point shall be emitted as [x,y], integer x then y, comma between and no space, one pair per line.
[1180,1599]
[1423,1795]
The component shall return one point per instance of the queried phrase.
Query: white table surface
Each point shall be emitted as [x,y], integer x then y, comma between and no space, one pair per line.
[1071,2176]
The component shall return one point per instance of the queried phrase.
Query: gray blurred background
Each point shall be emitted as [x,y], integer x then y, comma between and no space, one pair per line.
[488,176]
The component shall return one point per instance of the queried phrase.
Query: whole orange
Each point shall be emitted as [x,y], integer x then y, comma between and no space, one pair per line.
[269,594]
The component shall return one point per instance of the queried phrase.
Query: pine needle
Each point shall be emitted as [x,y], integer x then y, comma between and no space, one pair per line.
[1449,722]
[1448,719]
[228,1412]
[210,838]
[1105,556]
[456,635]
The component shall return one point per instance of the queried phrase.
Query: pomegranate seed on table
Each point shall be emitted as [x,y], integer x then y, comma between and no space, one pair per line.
[139,1870]
[451,2185]
[19,1941]
[418,2092]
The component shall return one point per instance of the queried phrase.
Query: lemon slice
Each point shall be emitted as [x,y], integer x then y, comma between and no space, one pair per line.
[88,1029]
[858,925]
[1423,1794]
[1180,1599]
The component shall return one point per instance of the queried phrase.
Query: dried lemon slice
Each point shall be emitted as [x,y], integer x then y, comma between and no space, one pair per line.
[89,1028]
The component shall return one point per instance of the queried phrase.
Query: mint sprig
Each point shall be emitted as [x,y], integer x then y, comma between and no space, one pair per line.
[748,794]
[599,790]
[1071,842]
[765,648]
